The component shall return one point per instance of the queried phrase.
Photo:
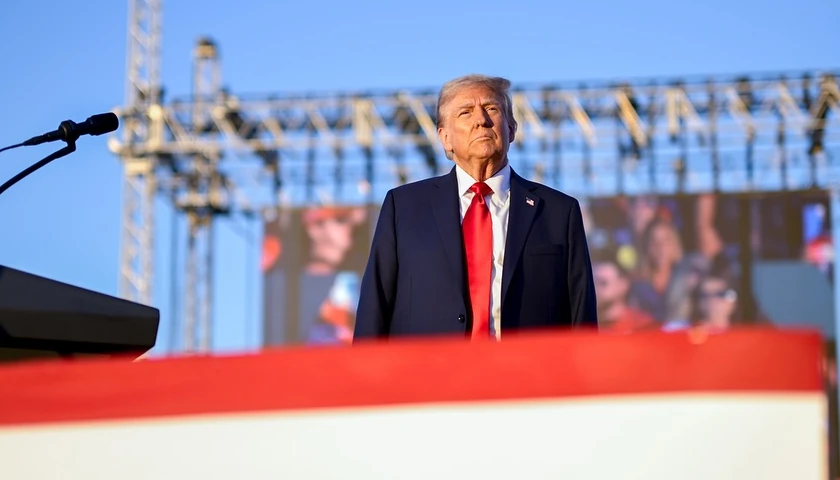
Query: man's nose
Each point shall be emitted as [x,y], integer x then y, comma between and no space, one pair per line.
[482,119]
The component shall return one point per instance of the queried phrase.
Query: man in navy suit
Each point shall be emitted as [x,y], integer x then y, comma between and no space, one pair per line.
[479,251]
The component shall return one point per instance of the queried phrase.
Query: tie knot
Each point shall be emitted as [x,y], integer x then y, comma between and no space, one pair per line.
[481,189]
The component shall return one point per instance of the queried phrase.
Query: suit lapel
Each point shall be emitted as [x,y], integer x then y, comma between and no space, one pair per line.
[523,208]
[447,211]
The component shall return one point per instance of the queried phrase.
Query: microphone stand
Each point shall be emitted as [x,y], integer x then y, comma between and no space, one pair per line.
[70,148]
[11,147]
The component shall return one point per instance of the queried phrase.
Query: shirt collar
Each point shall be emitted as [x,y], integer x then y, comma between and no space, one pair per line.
[499,183]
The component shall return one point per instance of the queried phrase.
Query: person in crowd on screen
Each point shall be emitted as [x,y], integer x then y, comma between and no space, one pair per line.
[479,251]
[711,254]
[612,285]
[332,248]
[336,315]
[641,211]
[716,303]
[660,257]
[330,231]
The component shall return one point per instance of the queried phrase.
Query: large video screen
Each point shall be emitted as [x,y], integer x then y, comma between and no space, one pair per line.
[312,263]
[660,262]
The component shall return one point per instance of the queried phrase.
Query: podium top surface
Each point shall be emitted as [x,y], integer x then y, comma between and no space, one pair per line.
[40,314]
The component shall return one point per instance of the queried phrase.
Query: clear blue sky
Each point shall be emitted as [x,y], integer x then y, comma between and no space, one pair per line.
[67,60]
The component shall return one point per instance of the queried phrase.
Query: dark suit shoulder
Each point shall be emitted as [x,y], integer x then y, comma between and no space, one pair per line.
[548,194]
[417,188]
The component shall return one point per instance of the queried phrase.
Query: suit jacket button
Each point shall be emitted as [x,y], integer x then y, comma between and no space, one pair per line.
[462,318]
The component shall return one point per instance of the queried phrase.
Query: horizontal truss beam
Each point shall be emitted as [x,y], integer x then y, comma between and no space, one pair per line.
[628,121]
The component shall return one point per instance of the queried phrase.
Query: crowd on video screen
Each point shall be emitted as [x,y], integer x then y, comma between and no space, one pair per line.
[673,262]
[659,262]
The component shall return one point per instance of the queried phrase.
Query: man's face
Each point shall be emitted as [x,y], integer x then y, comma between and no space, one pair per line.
[474,126]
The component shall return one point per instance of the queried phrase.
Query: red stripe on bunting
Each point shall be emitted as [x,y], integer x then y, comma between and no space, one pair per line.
[520,367]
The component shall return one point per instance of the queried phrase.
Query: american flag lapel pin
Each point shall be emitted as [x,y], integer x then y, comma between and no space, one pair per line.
[529,201]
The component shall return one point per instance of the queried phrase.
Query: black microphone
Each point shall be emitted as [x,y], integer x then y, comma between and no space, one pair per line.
[69,131]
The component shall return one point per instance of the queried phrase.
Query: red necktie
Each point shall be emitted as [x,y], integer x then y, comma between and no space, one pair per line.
[478,244]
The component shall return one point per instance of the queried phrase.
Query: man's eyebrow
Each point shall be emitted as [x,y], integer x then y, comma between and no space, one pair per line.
[483,104]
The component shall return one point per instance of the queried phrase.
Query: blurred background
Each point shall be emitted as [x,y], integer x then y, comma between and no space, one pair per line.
[258,138]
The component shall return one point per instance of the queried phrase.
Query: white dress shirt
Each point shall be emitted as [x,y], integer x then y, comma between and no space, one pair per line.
[499,205]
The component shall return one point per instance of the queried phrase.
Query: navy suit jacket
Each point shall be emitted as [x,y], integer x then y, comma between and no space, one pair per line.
[415,280]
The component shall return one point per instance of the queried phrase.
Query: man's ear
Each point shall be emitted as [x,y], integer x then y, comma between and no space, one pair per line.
[443,135]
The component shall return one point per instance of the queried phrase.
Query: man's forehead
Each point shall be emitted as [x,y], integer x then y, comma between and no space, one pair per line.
[471,95]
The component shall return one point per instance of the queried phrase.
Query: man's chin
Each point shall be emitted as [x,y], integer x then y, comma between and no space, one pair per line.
[483,151]
[484,144]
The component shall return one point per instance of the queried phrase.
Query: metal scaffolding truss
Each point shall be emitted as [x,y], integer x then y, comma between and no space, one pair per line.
[217,153]
[142,97]
[652,130]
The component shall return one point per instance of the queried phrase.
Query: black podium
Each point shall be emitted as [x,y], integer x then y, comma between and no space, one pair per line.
[43,318]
